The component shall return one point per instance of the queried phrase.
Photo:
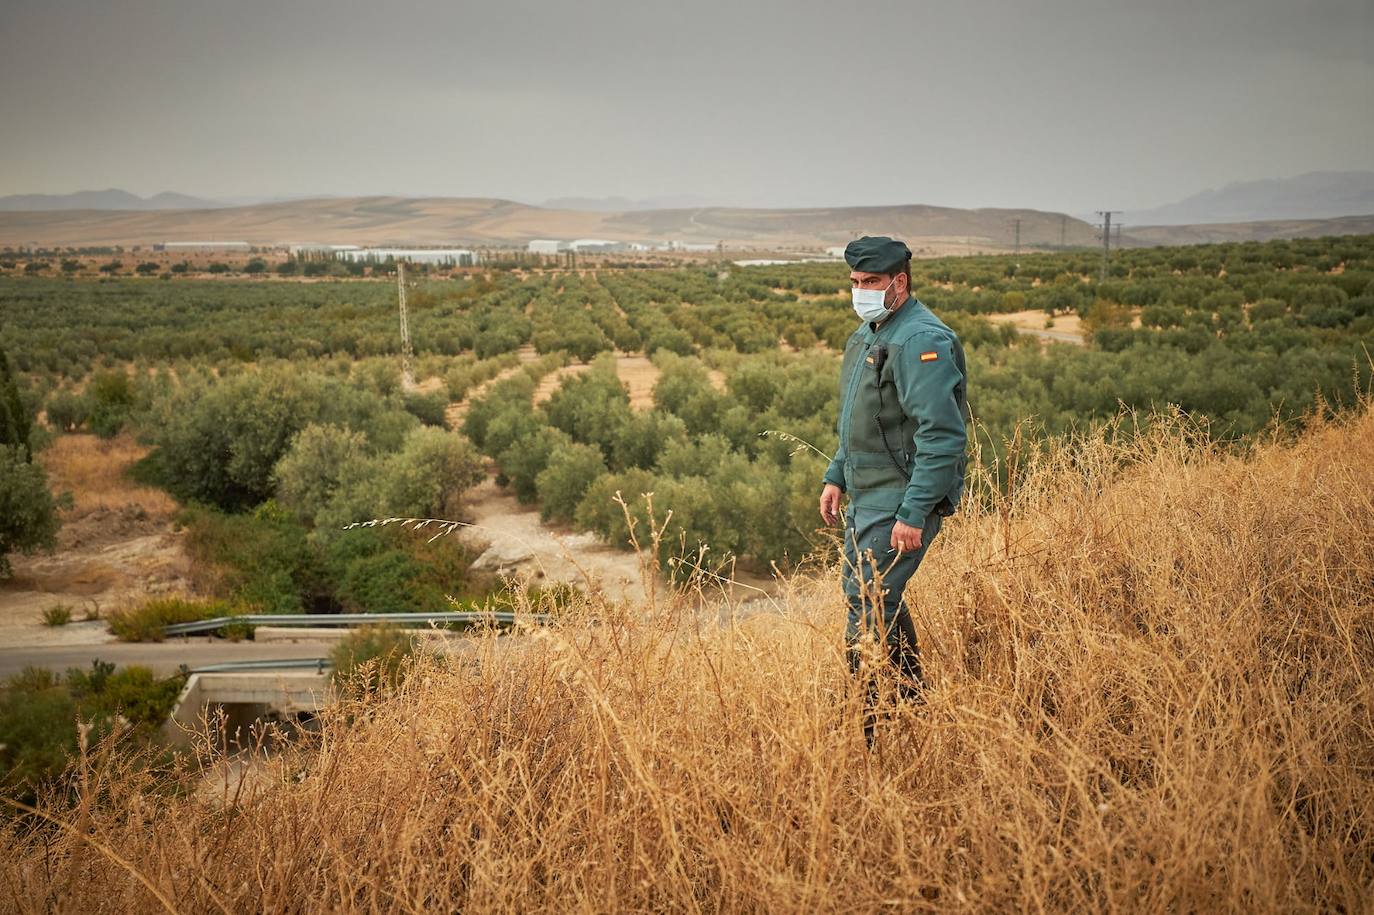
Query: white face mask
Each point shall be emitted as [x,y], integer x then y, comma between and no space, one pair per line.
[869,303]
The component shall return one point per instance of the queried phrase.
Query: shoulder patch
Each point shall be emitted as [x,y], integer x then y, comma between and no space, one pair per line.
[930,356]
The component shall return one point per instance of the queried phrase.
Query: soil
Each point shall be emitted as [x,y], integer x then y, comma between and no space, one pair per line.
[117,546]
[555,554]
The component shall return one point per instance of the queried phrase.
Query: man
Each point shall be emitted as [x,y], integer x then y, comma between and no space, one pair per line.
[903,445]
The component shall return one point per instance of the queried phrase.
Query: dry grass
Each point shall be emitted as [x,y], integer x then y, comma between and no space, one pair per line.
[93,470]
[1150,693]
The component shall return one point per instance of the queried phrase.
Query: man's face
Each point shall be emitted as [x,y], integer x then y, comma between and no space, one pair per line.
[896,292]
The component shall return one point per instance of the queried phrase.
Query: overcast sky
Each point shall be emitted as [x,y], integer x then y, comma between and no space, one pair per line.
[1061,104]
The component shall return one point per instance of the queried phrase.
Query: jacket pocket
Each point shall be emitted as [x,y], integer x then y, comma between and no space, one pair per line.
[876,470]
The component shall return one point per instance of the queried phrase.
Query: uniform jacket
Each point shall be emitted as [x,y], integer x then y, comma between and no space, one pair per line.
[903,439]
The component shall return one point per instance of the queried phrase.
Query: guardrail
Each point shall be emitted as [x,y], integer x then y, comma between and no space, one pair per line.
[327,620]
[319,665]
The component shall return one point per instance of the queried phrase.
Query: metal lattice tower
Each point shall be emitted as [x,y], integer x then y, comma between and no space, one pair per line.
[407,373]
[1107,239]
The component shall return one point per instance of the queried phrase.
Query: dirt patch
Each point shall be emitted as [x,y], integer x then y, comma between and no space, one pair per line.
[640,375]
[549,554]
[1066,329]
[95,472]
[117,546]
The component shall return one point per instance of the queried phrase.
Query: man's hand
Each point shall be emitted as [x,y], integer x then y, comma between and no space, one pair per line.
[905,538]
[830,504]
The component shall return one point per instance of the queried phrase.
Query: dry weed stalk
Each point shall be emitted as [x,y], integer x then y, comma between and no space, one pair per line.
[1150,692]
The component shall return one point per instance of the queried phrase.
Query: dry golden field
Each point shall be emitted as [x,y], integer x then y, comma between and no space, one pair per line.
[1150,692]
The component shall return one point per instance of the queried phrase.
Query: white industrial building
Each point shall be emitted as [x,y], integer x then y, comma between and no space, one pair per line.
[451,257]
[547,246]
[203,246]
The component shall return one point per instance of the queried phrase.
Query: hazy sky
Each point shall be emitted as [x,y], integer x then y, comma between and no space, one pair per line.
[1061,104]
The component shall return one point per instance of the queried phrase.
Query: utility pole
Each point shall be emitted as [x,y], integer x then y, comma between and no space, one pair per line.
[407,374]
[1106,239]
[1063,228]
[1017,224]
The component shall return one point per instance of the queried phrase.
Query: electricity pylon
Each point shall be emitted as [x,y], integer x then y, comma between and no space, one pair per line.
[407,373]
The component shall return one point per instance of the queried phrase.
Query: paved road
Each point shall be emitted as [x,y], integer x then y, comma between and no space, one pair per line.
[162,657]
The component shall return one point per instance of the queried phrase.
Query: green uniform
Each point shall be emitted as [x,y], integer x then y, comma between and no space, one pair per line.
[903,440]
[902,454]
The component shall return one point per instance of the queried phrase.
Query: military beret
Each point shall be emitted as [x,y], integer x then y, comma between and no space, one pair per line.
[876,254]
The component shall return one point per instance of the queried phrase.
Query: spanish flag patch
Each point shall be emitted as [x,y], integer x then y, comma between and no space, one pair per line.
[929,357]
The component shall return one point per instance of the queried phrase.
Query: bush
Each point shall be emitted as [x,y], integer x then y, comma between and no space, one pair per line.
[37,731]
[28,511]
[111,398]
[427,408]
[320,461]
[39,712]
[566,479]
[57,615]
[219,442]
[262,562]
[145,622]
[372,657]
[16,423]
[387,582]
[68,411]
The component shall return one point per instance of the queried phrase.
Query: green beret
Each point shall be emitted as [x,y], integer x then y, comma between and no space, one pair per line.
[876,254]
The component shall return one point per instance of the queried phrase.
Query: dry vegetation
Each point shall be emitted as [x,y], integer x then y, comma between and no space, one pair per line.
[1150,692]
[95,471]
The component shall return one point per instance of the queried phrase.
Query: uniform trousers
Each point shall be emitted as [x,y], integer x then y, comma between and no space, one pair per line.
[875,579]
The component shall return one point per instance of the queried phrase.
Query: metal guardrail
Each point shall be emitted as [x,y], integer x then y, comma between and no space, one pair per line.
[319,665]
[328,620]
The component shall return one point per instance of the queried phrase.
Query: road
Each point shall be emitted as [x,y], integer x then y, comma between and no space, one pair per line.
[163,657]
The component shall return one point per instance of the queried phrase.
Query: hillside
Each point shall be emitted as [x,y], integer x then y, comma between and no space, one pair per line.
[476,221]
[1268,230]
[1149,671]
[1315,195]
[481,221]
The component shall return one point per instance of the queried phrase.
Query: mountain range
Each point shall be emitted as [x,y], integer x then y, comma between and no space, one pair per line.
[1319,203]
[109,199]
[1315,195]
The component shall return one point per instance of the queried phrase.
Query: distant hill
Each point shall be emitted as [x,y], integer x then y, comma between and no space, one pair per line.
[929,230]
[486,221]
[110,199]
[1260,230]
[620,204]
[1315,195]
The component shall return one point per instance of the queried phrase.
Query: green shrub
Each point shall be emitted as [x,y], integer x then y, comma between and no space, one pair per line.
[16,421]
[28,511]
[264,560]
[57,615]
[219,442]
[111,397]
[37,731]
[320,461]
[68,411]
[372,657]
[427,408]
[566,479]
[145,622]
[386,582]
[39,712]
